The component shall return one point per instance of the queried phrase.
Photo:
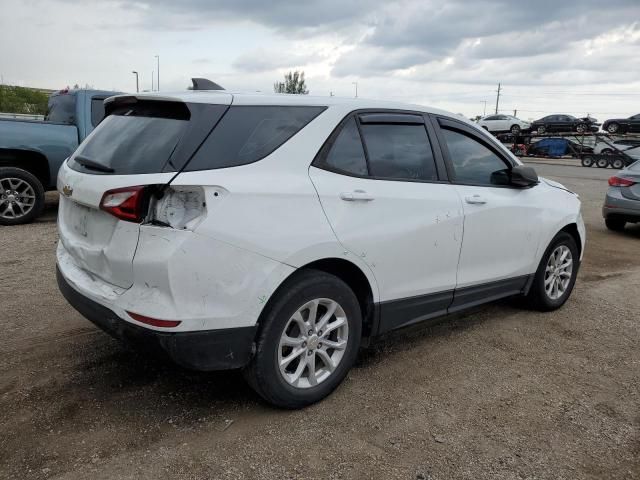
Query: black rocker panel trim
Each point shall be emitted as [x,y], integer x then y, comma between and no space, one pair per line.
[394,314]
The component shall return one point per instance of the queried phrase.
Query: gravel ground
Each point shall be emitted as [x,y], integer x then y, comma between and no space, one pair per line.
[496,393]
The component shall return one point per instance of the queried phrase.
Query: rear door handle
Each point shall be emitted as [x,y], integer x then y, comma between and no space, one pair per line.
[356,196]
[475,200]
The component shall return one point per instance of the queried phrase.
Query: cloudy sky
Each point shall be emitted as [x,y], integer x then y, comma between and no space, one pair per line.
[551,56]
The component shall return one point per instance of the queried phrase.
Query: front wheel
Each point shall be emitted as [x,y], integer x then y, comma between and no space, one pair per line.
[613,128]
[556,274]
[515,129]
[21,196]
[308,340]
[541,130]
[581,128]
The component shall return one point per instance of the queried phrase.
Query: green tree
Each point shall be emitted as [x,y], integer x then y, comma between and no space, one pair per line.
[293,83]
[22,100]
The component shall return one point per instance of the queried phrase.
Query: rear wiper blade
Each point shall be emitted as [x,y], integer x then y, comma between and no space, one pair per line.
[92,165]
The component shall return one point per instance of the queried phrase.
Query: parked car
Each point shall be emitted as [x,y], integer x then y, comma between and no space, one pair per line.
[278,233]
[622,202]
[557,147]
[31,151]
[622,125]
[627,146]
[564,123]
[503,123]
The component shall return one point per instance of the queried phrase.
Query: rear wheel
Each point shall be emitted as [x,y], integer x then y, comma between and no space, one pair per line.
[587,161]
[541,130]
[308,341]
[581,128]
[556,274]
[617,163]
[21,196]
[515,129]
[615,224]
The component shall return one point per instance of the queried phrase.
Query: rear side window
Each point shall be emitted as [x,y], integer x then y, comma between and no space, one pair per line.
[347,154]
[473,162]
[398,151]
[247,134]
[133,139]
[97,111]
[61,108]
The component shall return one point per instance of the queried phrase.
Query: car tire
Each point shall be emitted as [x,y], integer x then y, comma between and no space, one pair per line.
[587,161]
[541,130]
[615,224]
[21,196]
[515,129]
[613,128]
[617,163]
[602,162]
[545,294]
[292,386]
[580,128]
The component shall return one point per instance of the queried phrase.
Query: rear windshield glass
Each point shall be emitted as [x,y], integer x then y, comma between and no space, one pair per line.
[61,108]
[133,140]
[249,133]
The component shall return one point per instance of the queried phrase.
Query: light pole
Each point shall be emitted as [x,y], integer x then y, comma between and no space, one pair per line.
[356,84]
[153,72]
[158,68]
[484,112]
[137,84]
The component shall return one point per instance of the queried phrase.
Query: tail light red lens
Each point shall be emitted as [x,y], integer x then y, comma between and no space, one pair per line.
[124,203]
[621,182]
[154,321]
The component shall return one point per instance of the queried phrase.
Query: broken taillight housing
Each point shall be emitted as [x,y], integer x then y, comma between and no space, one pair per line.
[125,203]
[621,182]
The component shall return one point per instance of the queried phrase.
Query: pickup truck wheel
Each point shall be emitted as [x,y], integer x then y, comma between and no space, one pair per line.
[21,196]
[308,340]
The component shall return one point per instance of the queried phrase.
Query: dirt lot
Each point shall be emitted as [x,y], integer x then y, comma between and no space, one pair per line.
[497,393]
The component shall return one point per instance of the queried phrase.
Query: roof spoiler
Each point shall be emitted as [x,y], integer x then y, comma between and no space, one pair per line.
[205,84]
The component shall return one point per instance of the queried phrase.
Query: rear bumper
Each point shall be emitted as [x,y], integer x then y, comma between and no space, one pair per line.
[615,204]
[220,349]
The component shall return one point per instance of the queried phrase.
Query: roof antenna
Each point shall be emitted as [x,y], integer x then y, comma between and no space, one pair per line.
[205,84]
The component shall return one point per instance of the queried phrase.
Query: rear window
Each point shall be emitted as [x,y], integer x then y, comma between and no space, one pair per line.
[134,139]
[247,134]
[61,108]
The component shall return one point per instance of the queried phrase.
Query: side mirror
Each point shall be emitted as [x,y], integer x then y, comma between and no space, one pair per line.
[522,176]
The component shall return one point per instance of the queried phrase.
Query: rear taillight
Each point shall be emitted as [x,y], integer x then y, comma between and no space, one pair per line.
[124,203]
[621,182]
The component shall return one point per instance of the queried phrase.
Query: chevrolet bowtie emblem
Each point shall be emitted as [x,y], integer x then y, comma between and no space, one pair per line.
[67,191]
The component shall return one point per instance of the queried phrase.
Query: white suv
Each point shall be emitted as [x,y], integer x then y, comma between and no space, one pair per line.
[503,123]
[279,233]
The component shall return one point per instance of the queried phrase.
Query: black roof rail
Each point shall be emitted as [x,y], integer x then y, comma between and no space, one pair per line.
[205,84]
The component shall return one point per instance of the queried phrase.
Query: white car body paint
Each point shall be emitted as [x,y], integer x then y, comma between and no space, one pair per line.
[501,123]
[264,220]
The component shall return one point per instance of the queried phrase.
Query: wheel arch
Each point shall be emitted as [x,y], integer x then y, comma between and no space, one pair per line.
[572,229]
[348,272]
[31,161]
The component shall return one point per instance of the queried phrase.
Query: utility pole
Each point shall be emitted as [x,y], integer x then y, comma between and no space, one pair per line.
[498,98]
[356,84]
[331,93]
[158,68]
[137,84]
[515,112]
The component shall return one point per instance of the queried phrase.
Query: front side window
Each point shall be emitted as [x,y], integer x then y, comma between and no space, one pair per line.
[397,151]
[474,163]
[347,153]
[247,134]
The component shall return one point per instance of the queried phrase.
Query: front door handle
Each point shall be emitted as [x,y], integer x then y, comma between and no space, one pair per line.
[475,200]
[356,196]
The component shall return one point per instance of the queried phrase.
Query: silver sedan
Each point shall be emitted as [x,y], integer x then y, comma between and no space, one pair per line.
[622,203]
